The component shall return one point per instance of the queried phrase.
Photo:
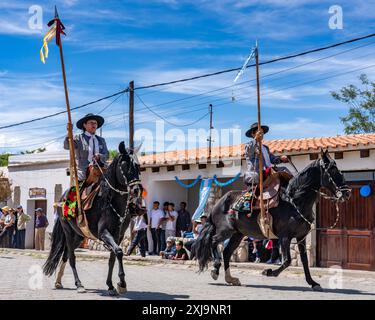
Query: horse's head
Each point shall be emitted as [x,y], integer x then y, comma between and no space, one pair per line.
[128,174]
[332,178]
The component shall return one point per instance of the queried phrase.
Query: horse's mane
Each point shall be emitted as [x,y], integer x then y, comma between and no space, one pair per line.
[302,182]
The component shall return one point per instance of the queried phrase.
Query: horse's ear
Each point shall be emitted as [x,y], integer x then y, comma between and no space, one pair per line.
[325,155]
[121,148]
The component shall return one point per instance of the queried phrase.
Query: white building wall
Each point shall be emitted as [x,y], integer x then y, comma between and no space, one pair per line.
[41,176]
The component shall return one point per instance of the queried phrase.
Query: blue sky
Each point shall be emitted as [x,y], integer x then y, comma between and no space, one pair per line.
[109,43]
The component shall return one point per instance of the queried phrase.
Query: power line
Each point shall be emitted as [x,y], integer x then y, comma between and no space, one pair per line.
[217,105]
[194,78]
[203,95]
[62,112]
[167,121]
[261,63]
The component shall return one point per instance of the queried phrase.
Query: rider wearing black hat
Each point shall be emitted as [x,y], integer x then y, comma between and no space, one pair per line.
[252,154]
[88,146]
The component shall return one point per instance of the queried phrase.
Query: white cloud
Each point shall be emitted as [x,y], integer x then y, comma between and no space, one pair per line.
[303,128]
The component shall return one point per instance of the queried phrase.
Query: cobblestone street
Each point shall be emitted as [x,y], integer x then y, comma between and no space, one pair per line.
[21,278]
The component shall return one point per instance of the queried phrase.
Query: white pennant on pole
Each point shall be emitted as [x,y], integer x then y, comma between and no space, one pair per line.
[251,56]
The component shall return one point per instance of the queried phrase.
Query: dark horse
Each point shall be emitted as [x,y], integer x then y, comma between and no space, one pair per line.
[293,218]
[111,212]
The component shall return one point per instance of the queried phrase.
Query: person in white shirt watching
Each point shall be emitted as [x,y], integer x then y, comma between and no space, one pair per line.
[171,221]
[156,215]
[140,228]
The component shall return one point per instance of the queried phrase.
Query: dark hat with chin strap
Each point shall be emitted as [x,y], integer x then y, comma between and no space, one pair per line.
[90,116]
[254,128]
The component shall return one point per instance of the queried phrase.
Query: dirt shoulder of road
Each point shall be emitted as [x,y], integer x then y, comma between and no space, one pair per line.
[85,254]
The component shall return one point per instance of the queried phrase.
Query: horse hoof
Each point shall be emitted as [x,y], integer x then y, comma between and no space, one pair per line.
[81,290]
[58,285]
[236,282]
[112,292]
[121,290]
[267,272]
[317,288]
[233,281]
[214,275]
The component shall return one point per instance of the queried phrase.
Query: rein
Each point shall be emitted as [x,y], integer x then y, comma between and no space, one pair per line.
[338,194]
[121,192]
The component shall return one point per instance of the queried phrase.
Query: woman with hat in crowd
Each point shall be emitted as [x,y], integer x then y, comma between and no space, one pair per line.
[252,152]
[88,146]
[7,221]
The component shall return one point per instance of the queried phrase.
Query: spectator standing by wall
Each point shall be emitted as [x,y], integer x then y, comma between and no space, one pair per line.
[7,221]
[155,215]
[15,232]
[41,223]
[140,228]
[183,223]
[163,224]
[23,218]
[171,221]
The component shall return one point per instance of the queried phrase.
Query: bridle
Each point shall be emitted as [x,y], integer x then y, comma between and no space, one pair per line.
[338,195]
[122,193]
[338,189]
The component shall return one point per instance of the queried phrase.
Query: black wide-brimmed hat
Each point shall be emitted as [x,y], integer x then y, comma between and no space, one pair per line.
[254,127]
[90,116]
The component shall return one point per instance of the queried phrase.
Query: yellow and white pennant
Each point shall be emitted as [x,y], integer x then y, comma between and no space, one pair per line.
[47,38]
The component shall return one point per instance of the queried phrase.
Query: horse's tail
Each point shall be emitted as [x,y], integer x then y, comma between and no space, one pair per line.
[58,246]
[202,247]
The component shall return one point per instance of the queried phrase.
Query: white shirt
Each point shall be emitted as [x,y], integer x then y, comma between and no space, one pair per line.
[93,146]
[156,215]
[140,223]
[171,225]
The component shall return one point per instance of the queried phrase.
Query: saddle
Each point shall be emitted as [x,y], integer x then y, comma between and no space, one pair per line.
[89,189]
[249,200]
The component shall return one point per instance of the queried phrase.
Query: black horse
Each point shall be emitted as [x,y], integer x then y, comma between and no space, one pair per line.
[120,199]
[293,218]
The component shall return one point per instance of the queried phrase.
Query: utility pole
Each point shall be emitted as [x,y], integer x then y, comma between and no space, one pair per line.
[210,137]
[131,115]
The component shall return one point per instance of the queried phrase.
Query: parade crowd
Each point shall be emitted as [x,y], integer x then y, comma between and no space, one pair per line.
[173,233]
[13,227]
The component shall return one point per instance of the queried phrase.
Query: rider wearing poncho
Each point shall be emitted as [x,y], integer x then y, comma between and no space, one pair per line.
[88,146]
[251,175]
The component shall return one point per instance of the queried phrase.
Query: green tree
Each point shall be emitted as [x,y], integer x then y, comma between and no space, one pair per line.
[4,159]
[361,101]
[112,154]
[39,150]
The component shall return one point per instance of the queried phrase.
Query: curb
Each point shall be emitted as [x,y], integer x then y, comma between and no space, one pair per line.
[86,254]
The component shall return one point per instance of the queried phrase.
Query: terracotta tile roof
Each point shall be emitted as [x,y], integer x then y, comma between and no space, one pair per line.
[292,146]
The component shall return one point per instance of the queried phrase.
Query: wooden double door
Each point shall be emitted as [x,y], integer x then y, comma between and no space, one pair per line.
[351,244]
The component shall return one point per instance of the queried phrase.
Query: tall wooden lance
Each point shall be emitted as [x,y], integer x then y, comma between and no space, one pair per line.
[56,23]
[264,217]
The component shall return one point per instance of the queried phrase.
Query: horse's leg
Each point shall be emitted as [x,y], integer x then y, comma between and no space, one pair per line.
[285,250]
[232,245]
[111,263]
[302,251]
[76,240]
[217,262]
[58,283]
[108,239]
[217,238]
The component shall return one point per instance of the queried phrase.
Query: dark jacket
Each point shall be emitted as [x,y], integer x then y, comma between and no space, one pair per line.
[81,147]
[252,158]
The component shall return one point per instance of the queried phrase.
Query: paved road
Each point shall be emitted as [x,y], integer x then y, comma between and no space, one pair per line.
[20,278]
